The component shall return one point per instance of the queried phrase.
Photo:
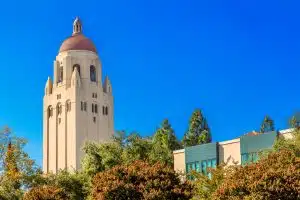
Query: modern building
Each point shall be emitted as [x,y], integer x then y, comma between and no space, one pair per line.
[237,151]
[77,105]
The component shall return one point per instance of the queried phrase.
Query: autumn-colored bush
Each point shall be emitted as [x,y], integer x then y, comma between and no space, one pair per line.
[276,176]
[140,180]
[45,193]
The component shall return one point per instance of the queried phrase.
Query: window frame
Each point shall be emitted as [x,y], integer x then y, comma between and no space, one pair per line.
[93,74]
[60,74]
[76,66]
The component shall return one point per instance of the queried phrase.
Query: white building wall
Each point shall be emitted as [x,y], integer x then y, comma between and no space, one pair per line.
[179,161]
[287,133]
[230,152]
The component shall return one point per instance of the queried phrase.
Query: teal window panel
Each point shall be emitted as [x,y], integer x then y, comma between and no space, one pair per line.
[250,157]
[193,166]
[204,165]
[255,157]
[188,167]
[198,168]
[209,163]
[214,163]
[244,158]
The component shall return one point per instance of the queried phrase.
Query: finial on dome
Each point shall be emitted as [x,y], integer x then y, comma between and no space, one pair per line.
[77,27]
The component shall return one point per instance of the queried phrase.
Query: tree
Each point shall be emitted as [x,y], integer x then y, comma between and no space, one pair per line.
[18,171]
[140,180]
[164,143]
[123,149]
[276,176]
[289,144]
[167,135]
[295,121]
[45,193]
[136,148]
[120,137]
[267,125]
[75,185]
[100,156]
[198,131]
[205,185]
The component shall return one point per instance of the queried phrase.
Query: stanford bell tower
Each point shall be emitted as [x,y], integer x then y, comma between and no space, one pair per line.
[78,106]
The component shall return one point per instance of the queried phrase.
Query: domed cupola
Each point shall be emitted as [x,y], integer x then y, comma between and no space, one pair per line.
[77,41]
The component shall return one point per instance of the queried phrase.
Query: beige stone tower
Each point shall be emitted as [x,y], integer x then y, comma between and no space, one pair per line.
[77,106]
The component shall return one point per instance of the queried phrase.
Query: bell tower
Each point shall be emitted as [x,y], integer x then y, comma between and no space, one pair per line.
[77,106]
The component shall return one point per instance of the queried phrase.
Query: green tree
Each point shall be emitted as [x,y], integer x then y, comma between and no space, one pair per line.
[295,121]
[75,185]
[267,125]
[123,149]
[198,131]
[140,180]
[101,156]
[164,143]
[136,148]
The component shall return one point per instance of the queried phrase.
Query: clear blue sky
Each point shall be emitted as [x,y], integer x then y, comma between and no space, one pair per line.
[236,60]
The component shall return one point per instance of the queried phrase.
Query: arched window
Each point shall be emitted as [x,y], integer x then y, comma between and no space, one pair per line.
[78,68]
[93,73]
[60,74]
[50,111]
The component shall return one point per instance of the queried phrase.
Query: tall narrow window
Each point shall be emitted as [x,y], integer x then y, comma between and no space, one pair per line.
[60,74]
[85,105]
[106,110]
[77,67]
[93,108]
[50,112]
[96,108]
[59,109]
[93,73]
[68,105]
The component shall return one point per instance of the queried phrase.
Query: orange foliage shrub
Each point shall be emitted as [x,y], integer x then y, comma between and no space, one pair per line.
[140,180]
[45,193]
[275,177]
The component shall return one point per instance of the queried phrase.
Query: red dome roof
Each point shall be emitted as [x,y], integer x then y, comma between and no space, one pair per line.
[78,42]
